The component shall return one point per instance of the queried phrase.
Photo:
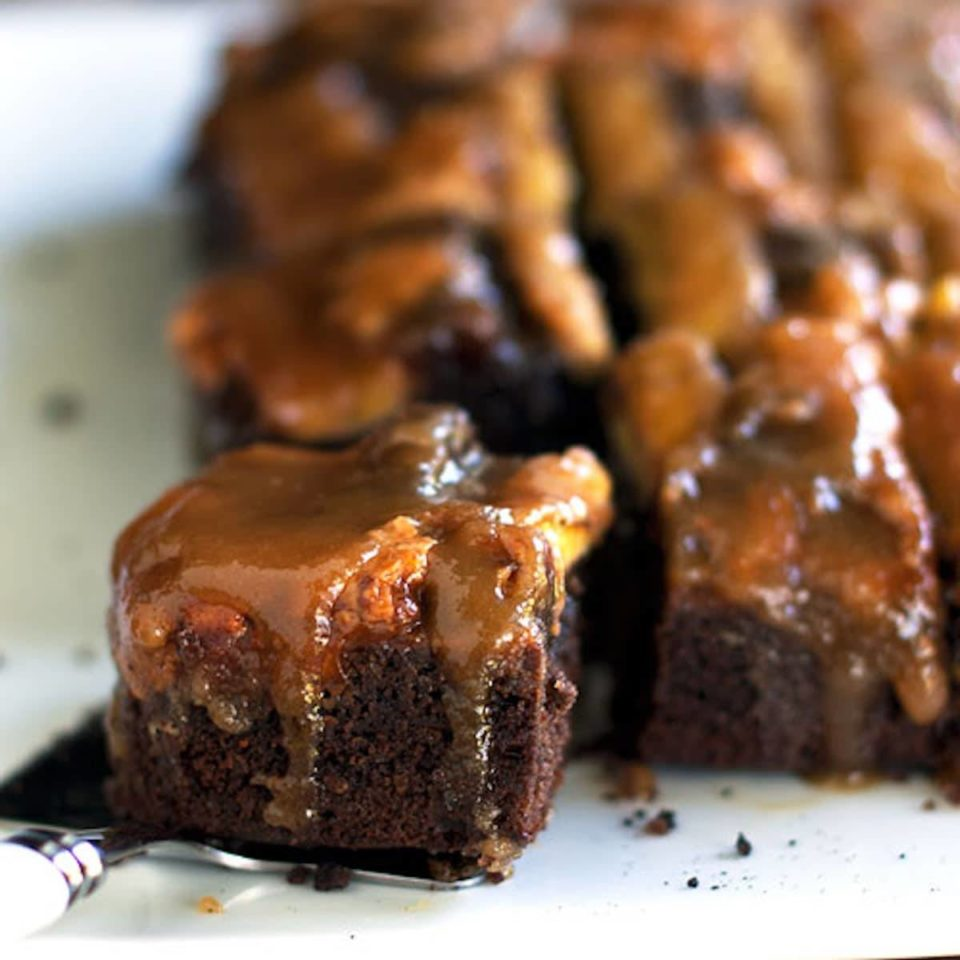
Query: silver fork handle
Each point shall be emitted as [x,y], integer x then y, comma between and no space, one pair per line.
[43,872]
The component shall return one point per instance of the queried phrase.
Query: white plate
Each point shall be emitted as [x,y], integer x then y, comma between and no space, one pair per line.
[95,108]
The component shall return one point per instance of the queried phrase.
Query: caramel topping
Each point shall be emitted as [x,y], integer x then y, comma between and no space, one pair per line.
[325,344]
[487,156]
[926,384]
[787,89]
[631,149]
[547,269]
[321,157]
[252,580]
[665,390]
[697,265]
[897,143]
[799,505]
[698,37]
[744,160]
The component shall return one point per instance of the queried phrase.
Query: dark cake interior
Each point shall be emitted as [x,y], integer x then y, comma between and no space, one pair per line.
[718,242]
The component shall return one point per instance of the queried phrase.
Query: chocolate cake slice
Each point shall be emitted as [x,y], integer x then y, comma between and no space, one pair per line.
[800,626]
[418,246]
[363,649]
[335,147]
[318,345]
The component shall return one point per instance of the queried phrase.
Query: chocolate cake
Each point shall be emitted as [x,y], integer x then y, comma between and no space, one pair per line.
[751,169]
[418,235]
[801,622]
[365,648]
[320,344]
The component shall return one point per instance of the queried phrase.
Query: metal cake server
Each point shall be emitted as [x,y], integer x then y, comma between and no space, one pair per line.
[44,869]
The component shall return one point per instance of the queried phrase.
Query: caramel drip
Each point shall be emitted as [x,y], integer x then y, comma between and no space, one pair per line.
[799,505]
[926,385]
[491,589]
[665,390]
[249,583]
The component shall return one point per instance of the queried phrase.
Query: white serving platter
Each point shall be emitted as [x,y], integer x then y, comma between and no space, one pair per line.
[96,102]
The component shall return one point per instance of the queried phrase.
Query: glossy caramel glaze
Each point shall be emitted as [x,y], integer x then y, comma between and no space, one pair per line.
[798,504]
[665,389]
[326,159]
[833,120]
[926,384]
[241,588]
[696,265]
[327,344]
[896,106]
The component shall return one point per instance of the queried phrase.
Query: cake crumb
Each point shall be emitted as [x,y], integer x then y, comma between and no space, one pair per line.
[744,846]
[298,876]
[693,883]
[929,804]
[663,823]
[61,408]
[791,843]
[726,792]
[209,904]
[331,876]
[636,782]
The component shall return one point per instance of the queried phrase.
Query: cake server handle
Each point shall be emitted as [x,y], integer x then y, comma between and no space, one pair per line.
[43,872]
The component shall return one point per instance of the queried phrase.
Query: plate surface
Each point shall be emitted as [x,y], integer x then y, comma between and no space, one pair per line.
[97,104]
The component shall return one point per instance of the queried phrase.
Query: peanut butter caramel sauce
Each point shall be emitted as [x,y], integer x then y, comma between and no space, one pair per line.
[709,132]
[324,341]
[795,501]
[327,343]
[243,588]
[926,386]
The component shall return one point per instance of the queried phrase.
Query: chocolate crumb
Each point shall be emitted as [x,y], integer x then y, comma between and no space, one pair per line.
[902,856]
[791,843]
[298,876]
[744,846]
[663,823]
[61,408]
[726,792]
[693,883]
[209,905]
[331,876]
[929,804]
[715,886]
